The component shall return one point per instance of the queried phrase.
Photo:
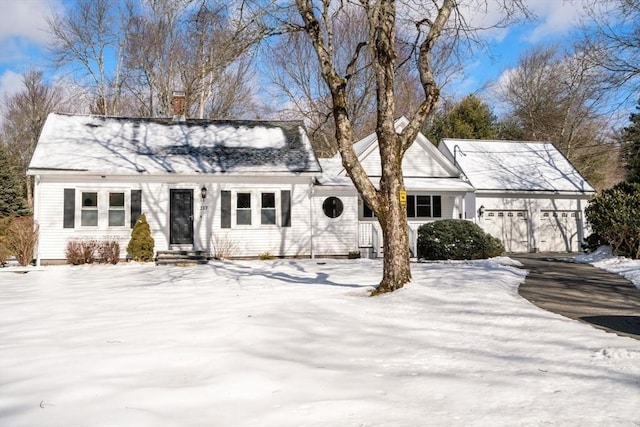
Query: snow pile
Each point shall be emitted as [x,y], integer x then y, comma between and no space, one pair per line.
[604,259]
[297,342]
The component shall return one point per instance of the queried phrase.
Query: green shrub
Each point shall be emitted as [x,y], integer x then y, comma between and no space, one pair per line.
[5,253]
[456,239]
[613,215]
[141,245]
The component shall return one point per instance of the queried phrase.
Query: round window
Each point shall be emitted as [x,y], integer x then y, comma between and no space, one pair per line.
[332,207]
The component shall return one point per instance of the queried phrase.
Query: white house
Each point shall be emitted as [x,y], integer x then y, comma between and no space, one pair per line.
[526,193]
[197,181]
[259,185]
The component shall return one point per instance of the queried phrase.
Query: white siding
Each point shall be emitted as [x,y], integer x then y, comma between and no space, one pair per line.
[250,240]
[416,163]
[255,239]
[542,236]
[335,236]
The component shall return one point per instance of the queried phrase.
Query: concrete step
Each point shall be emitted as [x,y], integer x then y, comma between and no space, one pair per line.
[182,258]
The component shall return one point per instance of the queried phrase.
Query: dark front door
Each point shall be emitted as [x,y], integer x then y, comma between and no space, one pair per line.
[181,217]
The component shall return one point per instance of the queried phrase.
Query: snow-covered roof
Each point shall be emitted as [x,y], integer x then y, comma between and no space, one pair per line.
[331,169]
[119,145]
[514,166]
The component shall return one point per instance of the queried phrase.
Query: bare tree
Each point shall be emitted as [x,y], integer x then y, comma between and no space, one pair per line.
[428,23]
[202,47]
[83,37]
[300,84]
[559,98]
[23,116]
[612,42]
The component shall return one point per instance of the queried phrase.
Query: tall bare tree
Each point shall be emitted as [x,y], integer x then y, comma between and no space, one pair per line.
[202,47]
[300,84]
[612,42]
[84,36]
[423,25]
[559,98]
[23,116]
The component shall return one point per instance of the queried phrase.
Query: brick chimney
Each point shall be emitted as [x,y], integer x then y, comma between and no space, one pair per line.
[179,106]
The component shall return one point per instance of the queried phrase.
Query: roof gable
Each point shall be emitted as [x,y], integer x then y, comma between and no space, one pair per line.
[117,145]
[422,159]
[514,166]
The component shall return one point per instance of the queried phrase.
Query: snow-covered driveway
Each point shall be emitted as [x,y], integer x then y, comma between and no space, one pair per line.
[297,343]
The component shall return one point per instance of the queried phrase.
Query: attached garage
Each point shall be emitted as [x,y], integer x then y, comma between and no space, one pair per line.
[559,231]
[527,193]
[511,227]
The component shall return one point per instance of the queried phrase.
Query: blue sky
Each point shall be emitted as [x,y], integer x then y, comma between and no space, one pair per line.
[23,39]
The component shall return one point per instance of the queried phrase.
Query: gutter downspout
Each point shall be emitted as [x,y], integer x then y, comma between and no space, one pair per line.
[311,225]
[36,213]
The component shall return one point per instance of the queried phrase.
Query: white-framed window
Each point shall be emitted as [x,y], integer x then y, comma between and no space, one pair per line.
[116,209]
[258,207]
[268,208]
[89,210]
[243,208]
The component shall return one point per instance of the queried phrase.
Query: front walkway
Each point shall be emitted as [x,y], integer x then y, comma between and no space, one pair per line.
[582,292]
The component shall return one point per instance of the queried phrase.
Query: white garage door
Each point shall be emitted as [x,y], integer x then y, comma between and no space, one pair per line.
[511,227]
[559,231]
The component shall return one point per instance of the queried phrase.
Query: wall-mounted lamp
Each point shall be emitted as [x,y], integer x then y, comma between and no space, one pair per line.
[203,192]
[481,211]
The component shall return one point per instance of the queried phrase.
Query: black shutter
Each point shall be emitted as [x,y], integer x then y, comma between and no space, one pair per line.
[136,206]
[285,208]
[69,208]
[437,206]
[225,210]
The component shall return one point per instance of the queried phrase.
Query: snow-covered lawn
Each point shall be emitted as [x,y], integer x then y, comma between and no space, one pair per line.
[297,343]
[602,258]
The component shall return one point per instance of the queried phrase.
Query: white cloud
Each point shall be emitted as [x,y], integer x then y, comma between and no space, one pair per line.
[10,83]
[25,19]
[555,17]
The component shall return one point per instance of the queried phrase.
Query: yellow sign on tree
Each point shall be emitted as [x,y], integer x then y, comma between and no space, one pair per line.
[403,197]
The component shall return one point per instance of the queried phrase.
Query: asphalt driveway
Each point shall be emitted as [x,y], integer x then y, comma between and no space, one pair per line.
[582,292]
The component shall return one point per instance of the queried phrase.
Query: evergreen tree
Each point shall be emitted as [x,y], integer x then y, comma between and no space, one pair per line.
[631,147]
[12,201]
[141,245]
[469,119]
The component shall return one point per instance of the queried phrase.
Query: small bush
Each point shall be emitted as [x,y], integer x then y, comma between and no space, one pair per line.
[141,245]
[353,255]
[74,253]
[108,252]
[21,239]
[456,239]
[223,247]
[88,251]
[264,256]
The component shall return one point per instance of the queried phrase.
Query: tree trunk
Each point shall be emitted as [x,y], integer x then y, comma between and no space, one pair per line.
[393,215]
[396,270]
